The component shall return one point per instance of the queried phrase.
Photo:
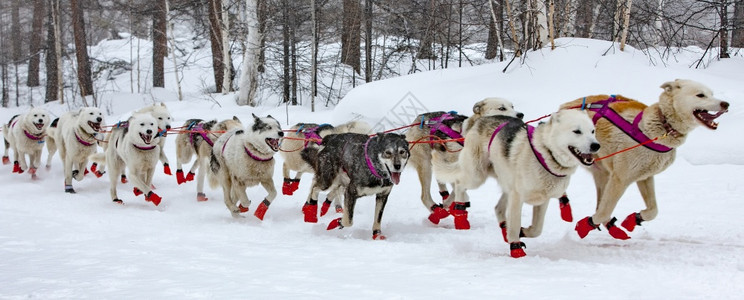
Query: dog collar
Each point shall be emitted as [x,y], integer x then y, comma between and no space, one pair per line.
[602,109]
[33,136]
[668,127]
[81,141]
[530,131]
[254,157]
[369,161]
[143,148]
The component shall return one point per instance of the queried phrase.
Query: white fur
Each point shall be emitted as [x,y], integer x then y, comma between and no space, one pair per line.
[35,122]
[74,154]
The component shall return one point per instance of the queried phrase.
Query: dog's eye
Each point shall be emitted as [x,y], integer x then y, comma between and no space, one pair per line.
[142,124]
[577,131]
[701,95]
[502,108]
[160,118]
[401,152]
[91,114]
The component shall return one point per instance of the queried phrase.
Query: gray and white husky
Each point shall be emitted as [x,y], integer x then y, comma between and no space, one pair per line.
[135,147]
[531,165]
[197,139]
[361,166]
[245,157]
[76,138]
[25,134]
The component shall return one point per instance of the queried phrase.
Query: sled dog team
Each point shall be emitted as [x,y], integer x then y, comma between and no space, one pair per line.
[531,162]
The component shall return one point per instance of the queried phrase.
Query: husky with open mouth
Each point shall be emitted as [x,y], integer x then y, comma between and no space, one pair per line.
[361,166]
[76,137]
[531,165]
[622,123]
[243,158]
[135,147]
[25,134]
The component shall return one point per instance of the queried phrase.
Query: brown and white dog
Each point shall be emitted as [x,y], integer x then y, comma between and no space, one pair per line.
[683,106]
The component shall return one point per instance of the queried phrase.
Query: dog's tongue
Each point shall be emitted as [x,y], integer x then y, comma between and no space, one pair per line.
[395,177]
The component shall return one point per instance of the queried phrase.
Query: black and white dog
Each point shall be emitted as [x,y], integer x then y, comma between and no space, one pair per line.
[362,166]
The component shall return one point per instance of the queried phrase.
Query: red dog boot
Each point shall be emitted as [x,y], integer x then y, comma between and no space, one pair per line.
[242,208]
[17,167]
[154,198]
[584,226]
[94,167]
[179,176]
[201,197]
[324,208]
[86,172]
[377,235]
[287,187]
[295,185]
[458,210]
[339,209]
[615,231]
[166,169]
[516,249]
[632,221]
[566,214]
[261,210]
[137,191]
[310,210]
[98,173]
[124,178]
[336,223]
[444,194]
[6,160]
[437,213]
[190,176]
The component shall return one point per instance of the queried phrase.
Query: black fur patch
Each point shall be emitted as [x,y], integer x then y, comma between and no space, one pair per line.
[239,132]
[11,120]
[259,125]
[214,165]
[54,123]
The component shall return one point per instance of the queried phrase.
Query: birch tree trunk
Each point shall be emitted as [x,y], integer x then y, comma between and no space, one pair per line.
[314,55]
[551,30]
[510,15]
[249,76]
[497,22]
[657,23]
[723,31]
[626,22]
[569,19]
[56,15]
[226,56]
[173,51]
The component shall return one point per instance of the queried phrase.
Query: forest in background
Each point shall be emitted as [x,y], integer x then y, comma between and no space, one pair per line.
[295,50]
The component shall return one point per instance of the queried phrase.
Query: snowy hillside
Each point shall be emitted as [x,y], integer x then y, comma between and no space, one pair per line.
[56,245]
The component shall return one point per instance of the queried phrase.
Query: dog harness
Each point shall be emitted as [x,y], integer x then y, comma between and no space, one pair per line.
[310,134]
[198,128]
[530,131]
[602,109]
[39,138]
[437,124]
[144,148]
[253,156]
[369,161]
[82,142]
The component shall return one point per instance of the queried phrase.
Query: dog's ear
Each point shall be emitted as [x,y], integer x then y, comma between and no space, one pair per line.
[236,118]
[239,132]
[162,104]
[668,86]
[478,107]
[254,116]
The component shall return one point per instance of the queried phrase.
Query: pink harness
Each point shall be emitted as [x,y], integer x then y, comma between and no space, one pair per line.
[369,161]
[530,132]
[602,109]
[199,129]
[251,155]
[438,125]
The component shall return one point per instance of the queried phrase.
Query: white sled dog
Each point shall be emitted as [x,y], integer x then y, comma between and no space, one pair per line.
[310,135]
[197,139]
[135,147]
[243,158]
[622,123]
[531,165]
[25,135]
[76,139]
[447,126]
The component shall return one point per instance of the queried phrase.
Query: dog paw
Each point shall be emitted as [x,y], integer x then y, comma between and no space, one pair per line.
[584,226]
[324,208]
[437,214]
[516,249]
[631,221]
[69,189]
[242,209]
[565,207]
[336,223]
[310,211]
[137,191]
[93,167]
[99,174]
[189,177]
[166,169]
[377,235]
[6,160]
[261,210]
[124,179]
[118,201]
[179,176]
[287,187]
[201,197]
[154,198]
[615,231]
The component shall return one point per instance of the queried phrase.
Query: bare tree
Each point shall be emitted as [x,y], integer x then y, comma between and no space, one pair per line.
[368,41]
[723,31]
[159,43]
[737,36]
[626,21]
[50,62]
[249,77]
[226,55]
[81,50]
[351,35]
[15,34]
[37,33]
[214,10]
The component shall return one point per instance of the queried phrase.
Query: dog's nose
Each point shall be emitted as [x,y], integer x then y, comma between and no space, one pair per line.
[396,166]
[41,121]
[281,133]
[149,131]
[724,104]
[99,119]
[594,147]
[520,115]
[167,127]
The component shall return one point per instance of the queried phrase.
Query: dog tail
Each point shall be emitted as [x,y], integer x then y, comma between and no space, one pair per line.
[98,157]
[5,133]
[310,156]
[214,170]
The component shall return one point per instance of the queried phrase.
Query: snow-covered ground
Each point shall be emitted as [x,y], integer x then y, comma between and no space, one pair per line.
[57,245]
